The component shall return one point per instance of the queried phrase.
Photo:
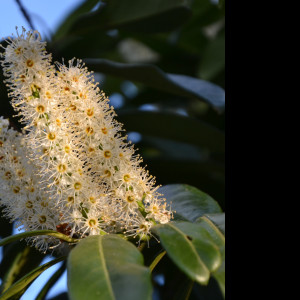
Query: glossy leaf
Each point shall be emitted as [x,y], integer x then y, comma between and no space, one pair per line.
[107,267]
[172,126]
[189,202]
[218,220]
[204,238]
[213,59]
[24,282]
[85,7]
[152,76]
[219,239]
[135,15]
[191,252]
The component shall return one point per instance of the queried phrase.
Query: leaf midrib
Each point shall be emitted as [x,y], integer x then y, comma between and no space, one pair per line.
[214,227]
[192,246]
[106,274]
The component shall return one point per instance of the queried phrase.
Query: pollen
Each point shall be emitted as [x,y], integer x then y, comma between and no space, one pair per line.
[126,177]
[90,112]
[29,63]
[67,149]
[58,122]
[45,151]
[61,168]
[42,219]
[73,107]
[83,96]
[107,154]
[92,200]
[89,130]
[18,50]
[48,95]
[29,204]
[44,203]
[92,222]
[40,109]
[155,209]
[77,186]
[16,189]
[71,199]
[130,199]
[104,130]
[51,136]
[143,227]
[91,149]
[7,175]
[107,173]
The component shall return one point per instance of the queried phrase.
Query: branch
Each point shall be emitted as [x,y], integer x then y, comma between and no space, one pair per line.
[26,15]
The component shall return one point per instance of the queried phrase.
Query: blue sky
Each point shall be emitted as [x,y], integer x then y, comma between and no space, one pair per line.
[46,17]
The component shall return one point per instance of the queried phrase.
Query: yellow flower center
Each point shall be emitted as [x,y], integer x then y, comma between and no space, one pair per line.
[42,219]
[67,149]
[107,154]
[51,136]
[29,63]
[40,109]
[71,199]
[16,189]
[92,200]
[90,112]
[130,199]
[61,168]
[77,186]
[126,177]
[89,130]
[29,204]
[92,222]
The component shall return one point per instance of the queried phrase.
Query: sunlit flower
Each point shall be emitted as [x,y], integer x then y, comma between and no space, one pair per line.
[72,167]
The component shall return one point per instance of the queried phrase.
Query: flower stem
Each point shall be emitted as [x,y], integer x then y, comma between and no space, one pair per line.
[157,260]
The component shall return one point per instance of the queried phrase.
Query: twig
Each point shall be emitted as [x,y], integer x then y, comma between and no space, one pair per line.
[23,10]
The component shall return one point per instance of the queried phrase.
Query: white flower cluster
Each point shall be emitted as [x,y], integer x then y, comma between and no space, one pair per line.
[72,169]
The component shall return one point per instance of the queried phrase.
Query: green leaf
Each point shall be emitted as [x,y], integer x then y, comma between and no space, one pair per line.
[26,234]
[172,126]
[191,253]
[88,45]
[107,267]
[23,283]
[189,202]
[152,76]
[182,240]
[18,259]
[216,219]
[213,58]
[85,7]
[214,225]
[207,250]
[135,16]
